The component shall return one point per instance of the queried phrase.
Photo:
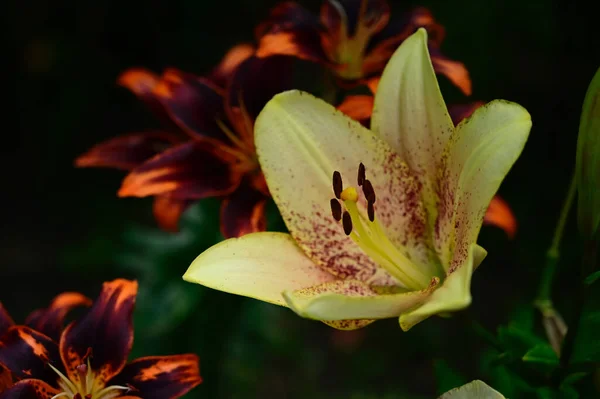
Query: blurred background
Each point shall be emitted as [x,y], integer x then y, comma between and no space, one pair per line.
[65,229]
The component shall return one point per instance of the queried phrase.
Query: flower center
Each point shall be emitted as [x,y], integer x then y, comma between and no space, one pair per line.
[88,386]
[367,233]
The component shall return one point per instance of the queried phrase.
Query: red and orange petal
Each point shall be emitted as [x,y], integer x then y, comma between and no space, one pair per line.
[26,352]
[168,210]
[243,212]
[194,104]
[221,74]
[458,112]
[500,215]
[128,151]
[160,377]
[194,170]
[455,71]
[142,83]
[5,320]
[50,320]
[358,107]
[105,333]
[29,389]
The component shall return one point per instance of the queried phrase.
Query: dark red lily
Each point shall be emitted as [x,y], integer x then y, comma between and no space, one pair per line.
[499,214]
[207,146]
[89,361]
[355,38]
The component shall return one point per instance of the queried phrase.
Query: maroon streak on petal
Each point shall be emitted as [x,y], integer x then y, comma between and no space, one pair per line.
[128,151]
[243,212]
[105,333]
[50,320]
[458,112]
[221,74]
[194,104]
[194,170]
[167,211]
[30,389]
[26,353]
[5,320]
[160,377]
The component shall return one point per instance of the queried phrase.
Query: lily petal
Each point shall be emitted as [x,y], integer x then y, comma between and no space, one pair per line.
[352,299]
[410,113]
[257,265]
[358,107]
[5,320]
[480,154]
[50,320]
[29,389]
[5,378]
[455,71]
[193,170]
[168,210]
[193,103]
[160,377]
[221,74]
[243,212]
[453,294]
[300,142]
[500,215]
[105,333]
[473,390]
[126,152]
[26,353]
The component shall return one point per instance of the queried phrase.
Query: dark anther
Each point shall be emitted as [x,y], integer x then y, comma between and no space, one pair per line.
[336,209]
[337,184]
[368,191]
[361,174]
[371,211]
[347,222]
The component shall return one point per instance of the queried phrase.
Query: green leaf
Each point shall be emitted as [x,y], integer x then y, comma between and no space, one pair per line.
[542,356]
[587,344]
[587,168]
[516,339]
[589,280]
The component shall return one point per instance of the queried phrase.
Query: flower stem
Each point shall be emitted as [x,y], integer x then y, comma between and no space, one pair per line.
[553,254]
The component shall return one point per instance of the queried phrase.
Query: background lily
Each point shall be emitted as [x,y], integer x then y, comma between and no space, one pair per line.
[89,360]
[355,38]
[206,148]
[404,246]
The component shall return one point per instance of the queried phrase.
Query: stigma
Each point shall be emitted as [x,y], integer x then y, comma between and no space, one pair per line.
[366,231]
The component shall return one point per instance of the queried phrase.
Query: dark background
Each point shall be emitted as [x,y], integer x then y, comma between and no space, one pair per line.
[64,228]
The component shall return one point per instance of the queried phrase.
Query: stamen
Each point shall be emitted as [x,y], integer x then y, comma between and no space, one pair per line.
[337,184]
[64,379]
[347,223]
[60,395]
[371,211]
[368,191]
[361,174]
[336,209]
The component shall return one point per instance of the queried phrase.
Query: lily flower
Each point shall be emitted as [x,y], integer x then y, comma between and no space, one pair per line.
[354,38]
[383,222]
[207,146]
[360,108]
[89,360]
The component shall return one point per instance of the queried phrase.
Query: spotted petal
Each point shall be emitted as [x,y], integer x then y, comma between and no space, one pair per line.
[257,265]
[352,299]
[300,142]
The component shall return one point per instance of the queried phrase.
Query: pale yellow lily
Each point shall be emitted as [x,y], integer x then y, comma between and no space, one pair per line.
[405,246]
[473,390]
